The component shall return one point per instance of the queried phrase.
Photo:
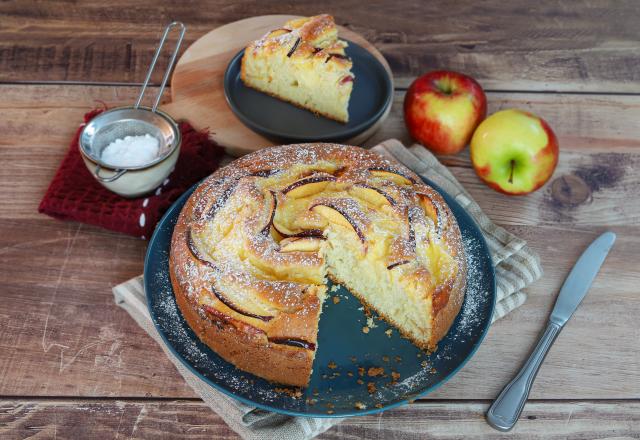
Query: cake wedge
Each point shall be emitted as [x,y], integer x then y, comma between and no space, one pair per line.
[304,63]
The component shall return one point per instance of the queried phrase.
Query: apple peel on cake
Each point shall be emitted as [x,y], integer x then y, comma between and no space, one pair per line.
[303,63]
[256,242]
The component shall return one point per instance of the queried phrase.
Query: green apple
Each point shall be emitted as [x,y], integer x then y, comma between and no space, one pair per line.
[514,151]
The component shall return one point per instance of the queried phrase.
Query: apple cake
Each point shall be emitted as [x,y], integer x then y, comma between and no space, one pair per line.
[256,242]
[303,63]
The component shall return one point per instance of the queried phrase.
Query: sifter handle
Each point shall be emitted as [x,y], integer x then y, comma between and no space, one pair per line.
[183,29]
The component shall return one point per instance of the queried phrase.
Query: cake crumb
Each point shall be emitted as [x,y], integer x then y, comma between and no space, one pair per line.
[329,405]
[375,371]
[424,364]
[360,405]
[394,377]
[398,359]
[349,373]
[359,381]
[336,299]
[330,411]
[378,405]
[295,393]
[353,358]
[332,365]
[371,387]
[335,288]
[385,358]
[371,323]
[365,329]
[360,371]
[389,332]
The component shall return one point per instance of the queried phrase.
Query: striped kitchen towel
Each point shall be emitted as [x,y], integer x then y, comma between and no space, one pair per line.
[515,264]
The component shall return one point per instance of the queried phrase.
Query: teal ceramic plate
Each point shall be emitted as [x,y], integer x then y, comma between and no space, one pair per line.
[343,348]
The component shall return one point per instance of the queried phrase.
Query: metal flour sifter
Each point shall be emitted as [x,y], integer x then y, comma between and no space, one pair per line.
[135,120]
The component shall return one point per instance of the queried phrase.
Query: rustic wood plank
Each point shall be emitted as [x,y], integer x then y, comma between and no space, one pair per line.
[21,418]
[540,420]
[596,182]
[518,45]
[599,140]
[37,123]
[60,333]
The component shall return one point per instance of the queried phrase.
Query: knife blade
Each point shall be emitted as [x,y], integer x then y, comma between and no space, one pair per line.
[506,409]
[581,277]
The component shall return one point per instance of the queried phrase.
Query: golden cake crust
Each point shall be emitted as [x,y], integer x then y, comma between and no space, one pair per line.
[260,311]
[279,363]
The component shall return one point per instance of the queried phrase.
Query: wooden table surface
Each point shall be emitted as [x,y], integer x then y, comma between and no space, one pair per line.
[73,365]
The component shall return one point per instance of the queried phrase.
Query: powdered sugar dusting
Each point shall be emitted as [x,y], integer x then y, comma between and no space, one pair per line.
[475,294]
[469,321]
[417,372]
[195,353]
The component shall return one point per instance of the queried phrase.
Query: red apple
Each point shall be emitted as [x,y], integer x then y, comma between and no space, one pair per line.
[441,110]
[514,151]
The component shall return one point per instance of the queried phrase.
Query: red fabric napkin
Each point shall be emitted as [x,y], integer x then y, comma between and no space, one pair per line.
[75,195]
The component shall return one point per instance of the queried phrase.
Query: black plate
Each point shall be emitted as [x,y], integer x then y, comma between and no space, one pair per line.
[340,339]
[283,122]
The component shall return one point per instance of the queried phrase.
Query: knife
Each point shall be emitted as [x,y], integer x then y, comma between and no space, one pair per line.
[506,409]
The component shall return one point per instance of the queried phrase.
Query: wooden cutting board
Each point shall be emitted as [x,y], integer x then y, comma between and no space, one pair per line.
[197,92]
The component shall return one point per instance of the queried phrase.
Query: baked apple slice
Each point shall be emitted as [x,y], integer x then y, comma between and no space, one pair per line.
[398,263]
[301,244]
[308,186]
[392,175]
[267,172]
[195,252]
[219,202]
[272,204]
[373,195]
[341,212]
[288,233]
[278,32]
[431,208]
[250,308]
[294,342]
[402,249]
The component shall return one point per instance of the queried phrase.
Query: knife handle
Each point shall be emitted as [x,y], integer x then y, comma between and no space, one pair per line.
[506,409]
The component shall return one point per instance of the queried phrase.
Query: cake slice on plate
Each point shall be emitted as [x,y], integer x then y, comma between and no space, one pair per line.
[303,63]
